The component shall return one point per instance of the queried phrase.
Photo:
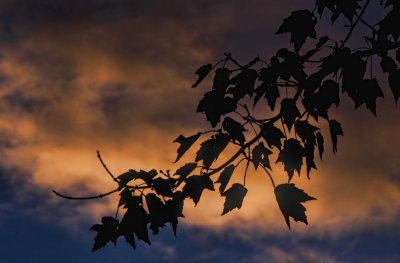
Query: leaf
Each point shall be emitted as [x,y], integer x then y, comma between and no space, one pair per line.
[289,112]
[309,153]
[202,72]
[394,83]
[147,177]
[272,135]
[244,83]
[234,197]
[126,195]
[335,130]
[224,177]
[184,171]
[291,156]
[221,80]
[185,143]
[125,178]
[368,94]
[348,8]
[305,130]
[174,209]
[387,64]
[320,143]
[352,76]
[289,199]
[195,185]
[212,148]
[106,232]
[158,213]
[163,186]
[260,155]
[234,129]
[215,105]
[300,24]
[389,25]
[135,221]
[398,55]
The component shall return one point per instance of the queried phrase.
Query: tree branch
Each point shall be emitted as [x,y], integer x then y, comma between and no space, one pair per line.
[105,167]
[84,198]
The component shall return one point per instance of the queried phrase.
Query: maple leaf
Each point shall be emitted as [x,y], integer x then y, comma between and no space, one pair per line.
[224,177]
[300,24]
[164,186]
[335,130]
[202,72]
[291,156]
[289,199]
[234,197]
[260,155]
[244,83]
[147,177]
[184,171]
[211,149]
[320,143]
[368,93]
[352,76]
[387,64]
[185,143]
[125,178]
[389,25]
[305,130]
[125,194]
[289,112]
[107,231]
[195,185]
[272,135]
[394,83]
[157,212]
[134,221]
[174,209]
[214,105]
[221,80]
[309,154]
[234,129]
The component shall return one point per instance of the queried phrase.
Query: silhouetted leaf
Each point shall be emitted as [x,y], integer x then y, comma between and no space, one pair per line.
[158,213]
[291,66]
[388,26]
[289,112]
[305,130]
[368,93]
[147,177]
[260,155]
[234,129]
[106,232]
[309,153]
[202,73]
[291,156]
[221,80]
[185,143]
[126,195]
[335,130]
[135,222]
[214,105]
[125,178]
[234,197]
[352,76]
[398,55]
[164,186]
[300,24]
[212,148]
[388,64]
[195,185]
[320,143]
[174,209]
[184,171]
[272,135]
[394,83]
[224,177]
[348,8]
[244,83]
[268,87]
[289,199]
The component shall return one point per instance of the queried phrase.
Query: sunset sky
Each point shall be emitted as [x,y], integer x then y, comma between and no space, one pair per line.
[116,76]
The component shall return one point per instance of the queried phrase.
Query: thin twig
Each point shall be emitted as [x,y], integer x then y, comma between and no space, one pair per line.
[270,177]
[105,167]
[84,198]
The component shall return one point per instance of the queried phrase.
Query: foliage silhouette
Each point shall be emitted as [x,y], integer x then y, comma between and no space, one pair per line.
[153,199]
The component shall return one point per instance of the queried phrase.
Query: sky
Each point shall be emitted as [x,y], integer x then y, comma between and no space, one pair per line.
[116,76]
